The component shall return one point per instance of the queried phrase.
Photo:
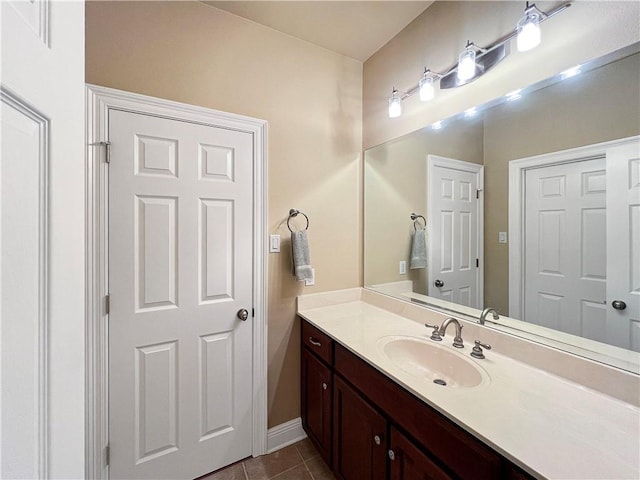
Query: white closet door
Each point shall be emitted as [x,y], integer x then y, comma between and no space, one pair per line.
[623,245]
[42,240]
[180,268]
[565,247]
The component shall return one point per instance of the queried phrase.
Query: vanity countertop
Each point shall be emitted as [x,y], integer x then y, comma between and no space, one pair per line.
[549,426]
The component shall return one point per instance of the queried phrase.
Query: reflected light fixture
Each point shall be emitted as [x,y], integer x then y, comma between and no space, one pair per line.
[471,112]
[467,63]
[515,95]
[571,72]
[395,104]
[437,125]
[528,28]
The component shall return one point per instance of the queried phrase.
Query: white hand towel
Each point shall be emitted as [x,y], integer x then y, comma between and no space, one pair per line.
[418,249]
[300,256]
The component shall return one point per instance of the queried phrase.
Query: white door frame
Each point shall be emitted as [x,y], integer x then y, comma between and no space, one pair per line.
[100,101]
[517,171]
[434,161]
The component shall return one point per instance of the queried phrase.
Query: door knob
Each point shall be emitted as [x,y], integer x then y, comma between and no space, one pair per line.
[439,283]
[243,314]
[618,305]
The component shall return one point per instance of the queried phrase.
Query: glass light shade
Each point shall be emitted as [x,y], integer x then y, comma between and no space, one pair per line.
[467,65]
[395,107]
[426,88]
[528,33]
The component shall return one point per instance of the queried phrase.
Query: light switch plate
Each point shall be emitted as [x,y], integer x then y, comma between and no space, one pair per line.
[403,267]
[274,243]
[502,237]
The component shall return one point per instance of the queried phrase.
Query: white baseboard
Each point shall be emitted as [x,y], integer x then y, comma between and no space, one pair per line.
[285,434]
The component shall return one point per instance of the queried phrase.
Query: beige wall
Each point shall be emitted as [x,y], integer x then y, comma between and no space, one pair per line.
[586,30]
[312,99]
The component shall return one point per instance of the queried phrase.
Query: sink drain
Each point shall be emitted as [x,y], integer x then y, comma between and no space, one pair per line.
[439,381]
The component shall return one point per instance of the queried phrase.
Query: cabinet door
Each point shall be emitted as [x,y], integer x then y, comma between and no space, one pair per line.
[409,463]
[359,436]
[316,387]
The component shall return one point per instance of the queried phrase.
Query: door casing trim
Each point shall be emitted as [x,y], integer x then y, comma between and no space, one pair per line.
[99,101]
[517,171]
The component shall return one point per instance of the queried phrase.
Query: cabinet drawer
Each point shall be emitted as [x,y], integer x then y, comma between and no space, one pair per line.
[464,455]
[317,342]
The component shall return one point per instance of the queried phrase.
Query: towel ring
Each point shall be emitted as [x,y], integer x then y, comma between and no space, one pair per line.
[415,217]
[294,213]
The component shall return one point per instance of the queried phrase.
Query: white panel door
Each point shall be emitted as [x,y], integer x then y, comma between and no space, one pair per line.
[454,250]
[623,245]
[565,246]
[42,239]
[180,268]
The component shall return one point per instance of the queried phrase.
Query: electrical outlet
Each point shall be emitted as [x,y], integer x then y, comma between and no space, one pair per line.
[274,243]
[312,281]
[403,267]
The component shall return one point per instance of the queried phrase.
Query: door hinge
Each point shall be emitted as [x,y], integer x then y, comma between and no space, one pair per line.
[107,454]
[107,304]
[477,263]
[253,312]
[107,146]
[477,194]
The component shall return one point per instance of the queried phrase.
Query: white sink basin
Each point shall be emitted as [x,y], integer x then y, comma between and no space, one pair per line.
[433,362]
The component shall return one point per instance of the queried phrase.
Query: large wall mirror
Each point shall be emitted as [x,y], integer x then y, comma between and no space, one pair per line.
[532,207]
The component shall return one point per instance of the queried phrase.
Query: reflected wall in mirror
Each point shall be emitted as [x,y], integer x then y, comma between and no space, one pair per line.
[600,104]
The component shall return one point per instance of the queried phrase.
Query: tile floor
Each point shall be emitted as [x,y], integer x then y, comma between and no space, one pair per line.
[300,461]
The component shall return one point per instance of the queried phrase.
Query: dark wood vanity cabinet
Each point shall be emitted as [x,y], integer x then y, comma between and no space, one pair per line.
[317,389]
[407,462]
[367,427]
[360,436]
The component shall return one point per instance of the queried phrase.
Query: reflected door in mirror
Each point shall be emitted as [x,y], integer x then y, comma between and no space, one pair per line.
[454,240]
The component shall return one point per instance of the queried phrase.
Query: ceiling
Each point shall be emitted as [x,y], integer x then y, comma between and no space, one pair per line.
[356,29]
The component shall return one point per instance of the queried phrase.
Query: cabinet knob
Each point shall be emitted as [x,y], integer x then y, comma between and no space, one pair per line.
[392,455]
[324,386]
[377,439]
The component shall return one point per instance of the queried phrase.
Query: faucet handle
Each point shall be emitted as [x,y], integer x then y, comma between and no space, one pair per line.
[476,351]
[435,335]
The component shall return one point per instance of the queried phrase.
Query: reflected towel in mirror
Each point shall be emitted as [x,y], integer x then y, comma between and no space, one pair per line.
[300,256]
[418,249]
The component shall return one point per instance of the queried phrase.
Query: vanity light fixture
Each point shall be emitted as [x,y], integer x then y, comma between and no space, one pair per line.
[475,61]
[528,28]
[467,62]
[425,85]
[395,104]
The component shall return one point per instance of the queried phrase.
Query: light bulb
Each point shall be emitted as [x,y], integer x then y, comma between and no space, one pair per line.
[466,65]
[528,32]
[426,88]
[395,105]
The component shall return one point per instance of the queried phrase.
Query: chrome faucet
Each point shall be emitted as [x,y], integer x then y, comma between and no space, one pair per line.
[487,311]
[457,340]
